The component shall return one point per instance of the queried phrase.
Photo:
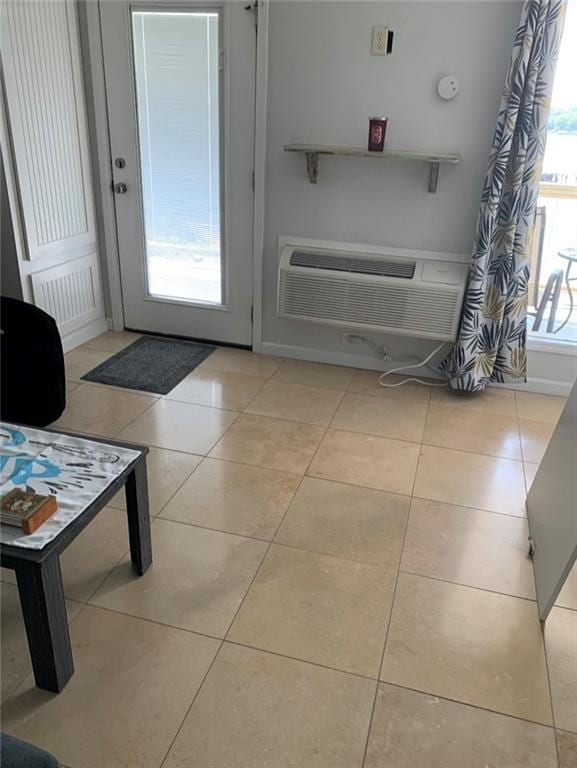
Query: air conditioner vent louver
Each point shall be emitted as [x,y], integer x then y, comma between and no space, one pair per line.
[383,307]
[356,265]
[353,289]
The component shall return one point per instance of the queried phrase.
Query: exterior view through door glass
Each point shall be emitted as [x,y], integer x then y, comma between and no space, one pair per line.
[177,78]
[180,92]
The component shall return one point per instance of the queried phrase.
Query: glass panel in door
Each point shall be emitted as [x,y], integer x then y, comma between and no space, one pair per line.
[177,80]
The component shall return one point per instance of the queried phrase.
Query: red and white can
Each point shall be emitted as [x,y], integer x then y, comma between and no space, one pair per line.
[377,133]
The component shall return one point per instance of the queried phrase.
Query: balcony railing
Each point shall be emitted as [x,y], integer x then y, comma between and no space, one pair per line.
[552,272]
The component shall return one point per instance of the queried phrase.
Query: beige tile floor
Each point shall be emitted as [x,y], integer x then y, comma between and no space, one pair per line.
[340,580]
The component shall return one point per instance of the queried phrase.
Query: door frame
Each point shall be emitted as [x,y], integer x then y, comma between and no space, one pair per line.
[91,40]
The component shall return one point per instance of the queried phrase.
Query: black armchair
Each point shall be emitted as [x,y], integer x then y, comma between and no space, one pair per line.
[32,377]
[15,753]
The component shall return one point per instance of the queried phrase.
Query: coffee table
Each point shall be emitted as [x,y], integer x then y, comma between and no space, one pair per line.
[38,574]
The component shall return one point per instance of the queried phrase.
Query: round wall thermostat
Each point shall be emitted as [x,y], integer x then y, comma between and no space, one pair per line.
[448,87]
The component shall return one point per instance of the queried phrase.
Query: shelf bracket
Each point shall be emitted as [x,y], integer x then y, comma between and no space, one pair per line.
[312,166]
[433,176]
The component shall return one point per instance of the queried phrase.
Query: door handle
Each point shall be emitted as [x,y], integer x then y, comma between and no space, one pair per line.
[120,188]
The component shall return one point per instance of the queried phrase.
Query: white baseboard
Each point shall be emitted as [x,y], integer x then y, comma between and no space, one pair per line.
[84,334]
[370,363]
[541,387]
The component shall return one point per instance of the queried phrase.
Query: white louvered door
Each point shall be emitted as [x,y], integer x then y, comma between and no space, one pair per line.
[180,81]
[49,148]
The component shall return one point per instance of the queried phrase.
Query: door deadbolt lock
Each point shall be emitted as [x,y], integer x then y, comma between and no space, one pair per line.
[120,188]
[120,162]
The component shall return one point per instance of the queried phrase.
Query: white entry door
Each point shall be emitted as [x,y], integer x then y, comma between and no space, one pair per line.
[180,81]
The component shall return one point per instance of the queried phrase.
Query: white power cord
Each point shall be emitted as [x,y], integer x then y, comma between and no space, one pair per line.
[380,350]
[412,378]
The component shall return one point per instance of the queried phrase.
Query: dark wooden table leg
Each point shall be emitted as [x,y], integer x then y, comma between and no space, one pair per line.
[138,517]
[44,611]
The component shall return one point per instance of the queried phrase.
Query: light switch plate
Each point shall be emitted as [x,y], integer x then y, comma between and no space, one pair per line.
[379,41]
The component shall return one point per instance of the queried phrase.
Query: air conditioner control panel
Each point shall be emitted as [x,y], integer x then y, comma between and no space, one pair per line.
[442,272]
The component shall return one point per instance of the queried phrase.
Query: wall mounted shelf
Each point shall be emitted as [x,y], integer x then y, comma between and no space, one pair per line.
[312,152]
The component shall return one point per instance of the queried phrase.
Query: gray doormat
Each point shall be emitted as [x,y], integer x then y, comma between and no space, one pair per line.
[151,364]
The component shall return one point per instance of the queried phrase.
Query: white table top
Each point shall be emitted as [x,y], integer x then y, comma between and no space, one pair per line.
[74,469]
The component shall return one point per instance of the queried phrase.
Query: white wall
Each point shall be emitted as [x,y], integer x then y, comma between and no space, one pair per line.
[323,85]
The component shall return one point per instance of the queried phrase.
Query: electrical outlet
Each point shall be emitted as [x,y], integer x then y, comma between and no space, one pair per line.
[352,338]
[379,41]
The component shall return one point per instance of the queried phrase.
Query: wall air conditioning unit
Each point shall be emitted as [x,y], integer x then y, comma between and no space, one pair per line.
[388,290]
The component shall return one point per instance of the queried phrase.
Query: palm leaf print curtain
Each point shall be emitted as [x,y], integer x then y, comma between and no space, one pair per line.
[491,345]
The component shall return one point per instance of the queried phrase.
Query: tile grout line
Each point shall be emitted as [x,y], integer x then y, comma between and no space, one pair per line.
[271,542]
[248,464]
[222,642]
[105,577]
[115,436]
[466,586]
[296,384]
[377,435]
[390,619]
[155,622]
[283,545]
[186,479]
[305,423]
[344,482]
[526,461]
[243,410]
[545,655]
[504,714]
[200,405]
[344,393]
[297,548]
[207,367]
[497,712]
[468,506]
[264,380]
[297,421]
[186,714]
[127,551]
[312,663]
[299,660]
[348,559]
[229,627]
[550,691]
[180,450]
[269,546]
